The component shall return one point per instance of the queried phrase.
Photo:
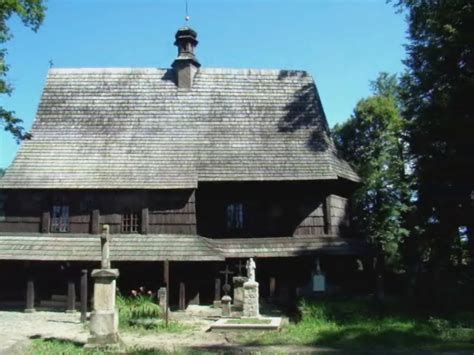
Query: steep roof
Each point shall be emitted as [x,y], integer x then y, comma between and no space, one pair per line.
[133,128]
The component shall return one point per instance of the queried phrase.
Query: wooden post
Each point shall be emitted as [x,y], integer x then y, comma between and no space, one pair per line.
[182,296]
[45,222]
[84,296]
[272,288]
[30,296]
[167,284]
[144,221]
[327,215]
[95,221]
[71,297]
[217,290]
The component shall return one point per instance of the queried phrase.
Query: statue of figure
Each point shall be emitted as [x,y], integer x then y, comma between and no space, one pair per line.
[250,266]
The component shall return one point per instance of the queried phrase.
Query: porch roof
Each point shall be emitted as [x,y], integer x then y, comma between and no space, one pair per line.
[123,247]
[289,246]
[173,247]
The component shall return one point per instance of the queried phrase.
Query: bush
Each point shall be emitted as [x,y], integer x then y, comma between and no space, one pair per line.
[137,306]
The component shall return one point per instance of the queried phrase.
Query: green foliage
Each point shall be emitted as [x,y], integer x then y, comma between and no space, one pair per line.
[137,307]
[31,13]
[364,325]
[372,141]
[437,95]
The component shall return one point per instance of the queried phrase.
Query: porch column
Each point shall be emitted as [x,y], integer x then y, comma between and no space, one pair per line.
[83,296]
[71,297]
[30,296]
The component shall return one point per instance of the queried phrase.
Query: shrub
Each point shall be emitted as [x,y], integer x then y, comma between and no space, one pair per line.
[137,306]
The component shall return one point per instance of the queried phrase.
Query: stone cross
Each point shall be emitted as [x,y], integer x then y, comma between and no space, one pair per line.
[105,247]
[251,269]
[226,272]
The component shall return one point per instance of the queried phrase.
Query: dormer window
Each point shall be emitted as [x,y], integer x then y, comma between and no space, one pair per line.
[130,223]
[235,216]
[60,219]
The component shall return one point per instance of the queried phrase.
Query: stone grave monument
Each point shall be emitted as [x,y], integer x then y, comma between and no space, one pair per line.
[238,282]
[251,306]
[226,299]
[104,317]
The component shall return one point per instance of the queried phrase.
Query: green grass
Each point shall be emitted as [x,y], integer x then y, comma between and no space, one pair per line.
[65,347]
[57,347]
[361,324]
[249,321]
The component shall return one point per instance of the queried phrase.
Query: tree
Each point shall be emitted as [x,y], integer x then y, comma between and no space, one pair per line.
[437,95]
[372,141]
[31,12]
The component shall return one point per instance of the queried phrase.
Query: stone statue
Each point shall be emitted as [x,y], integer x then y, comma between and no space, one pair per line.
[251,269]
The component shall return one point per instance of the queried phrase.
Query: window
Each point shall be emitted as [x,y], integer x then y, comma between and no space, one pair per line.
[130,223]
[60,219]
[235,216]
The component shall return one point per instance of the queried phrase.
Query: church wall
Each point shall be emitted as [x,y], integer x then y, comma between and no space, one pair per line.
[272,209]
[164,211]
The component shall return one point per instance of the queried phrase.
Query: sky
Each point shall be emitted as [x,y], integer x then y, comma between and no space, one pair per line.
[343,44]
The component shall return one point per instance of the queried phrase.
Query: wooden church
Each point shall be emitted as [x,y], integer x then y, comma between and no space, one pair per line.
[201,167]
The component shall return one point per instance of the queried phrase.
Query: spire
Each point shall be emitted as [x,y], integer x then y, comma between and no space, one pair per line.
[186,64]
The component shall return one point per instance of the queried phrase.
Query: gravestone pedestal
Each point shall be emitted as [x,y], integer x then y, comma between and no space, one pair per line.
[238,282]
[162,298]
[226,305]
[251,306]
[104,317]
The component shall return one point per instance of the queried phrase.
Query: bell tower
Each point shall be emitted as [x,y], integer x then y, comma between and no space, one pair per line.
[186,64]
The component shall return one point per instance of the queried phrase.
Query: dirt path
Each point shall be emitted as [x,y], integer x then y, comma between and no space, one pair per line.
[17,328]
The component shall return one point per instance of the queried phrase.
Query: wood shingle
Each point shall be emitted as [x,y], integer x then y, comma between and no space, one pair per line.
[134,128]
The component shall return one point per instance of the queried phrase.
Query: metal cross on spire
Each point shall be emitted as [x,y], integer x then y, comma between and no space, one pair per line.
[187,17]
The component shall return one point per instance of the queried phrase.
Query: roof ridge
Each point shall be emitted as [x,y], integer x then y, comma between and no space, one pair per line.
[248,71]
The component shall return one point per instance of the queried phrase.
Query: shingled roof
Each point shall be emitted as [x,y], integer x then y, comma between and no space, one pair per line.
[135,128]
[159,247]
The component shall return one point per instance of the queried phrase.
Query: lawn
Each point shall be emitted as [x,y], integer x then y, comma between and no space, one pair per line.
[355,325]
[363,324]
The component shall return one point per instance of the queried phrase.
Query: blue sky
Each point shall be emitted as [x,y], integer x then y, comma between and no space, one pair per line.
[343,43]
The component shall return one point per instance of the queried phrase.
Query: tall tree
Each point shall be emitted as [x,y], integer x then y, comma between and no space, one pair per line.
[31,12]
[371,139]
[437,95]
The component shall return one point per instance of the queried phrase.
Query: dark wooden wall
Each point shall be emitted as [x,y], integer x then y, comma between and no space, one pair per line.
[271,209]
[274,209]
[166,211]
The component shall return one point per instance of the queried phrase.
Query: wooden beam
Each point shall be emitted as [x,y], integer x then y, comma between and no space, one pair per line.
[166,277]
[30,296]
[95,221]
[182,296]
[45,222]
[71,297]
[144,221]
[327,215]
[83,296]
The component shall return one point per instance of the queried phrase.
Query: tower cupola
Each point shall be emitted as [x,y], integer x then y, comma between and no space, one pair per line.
[186,64]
